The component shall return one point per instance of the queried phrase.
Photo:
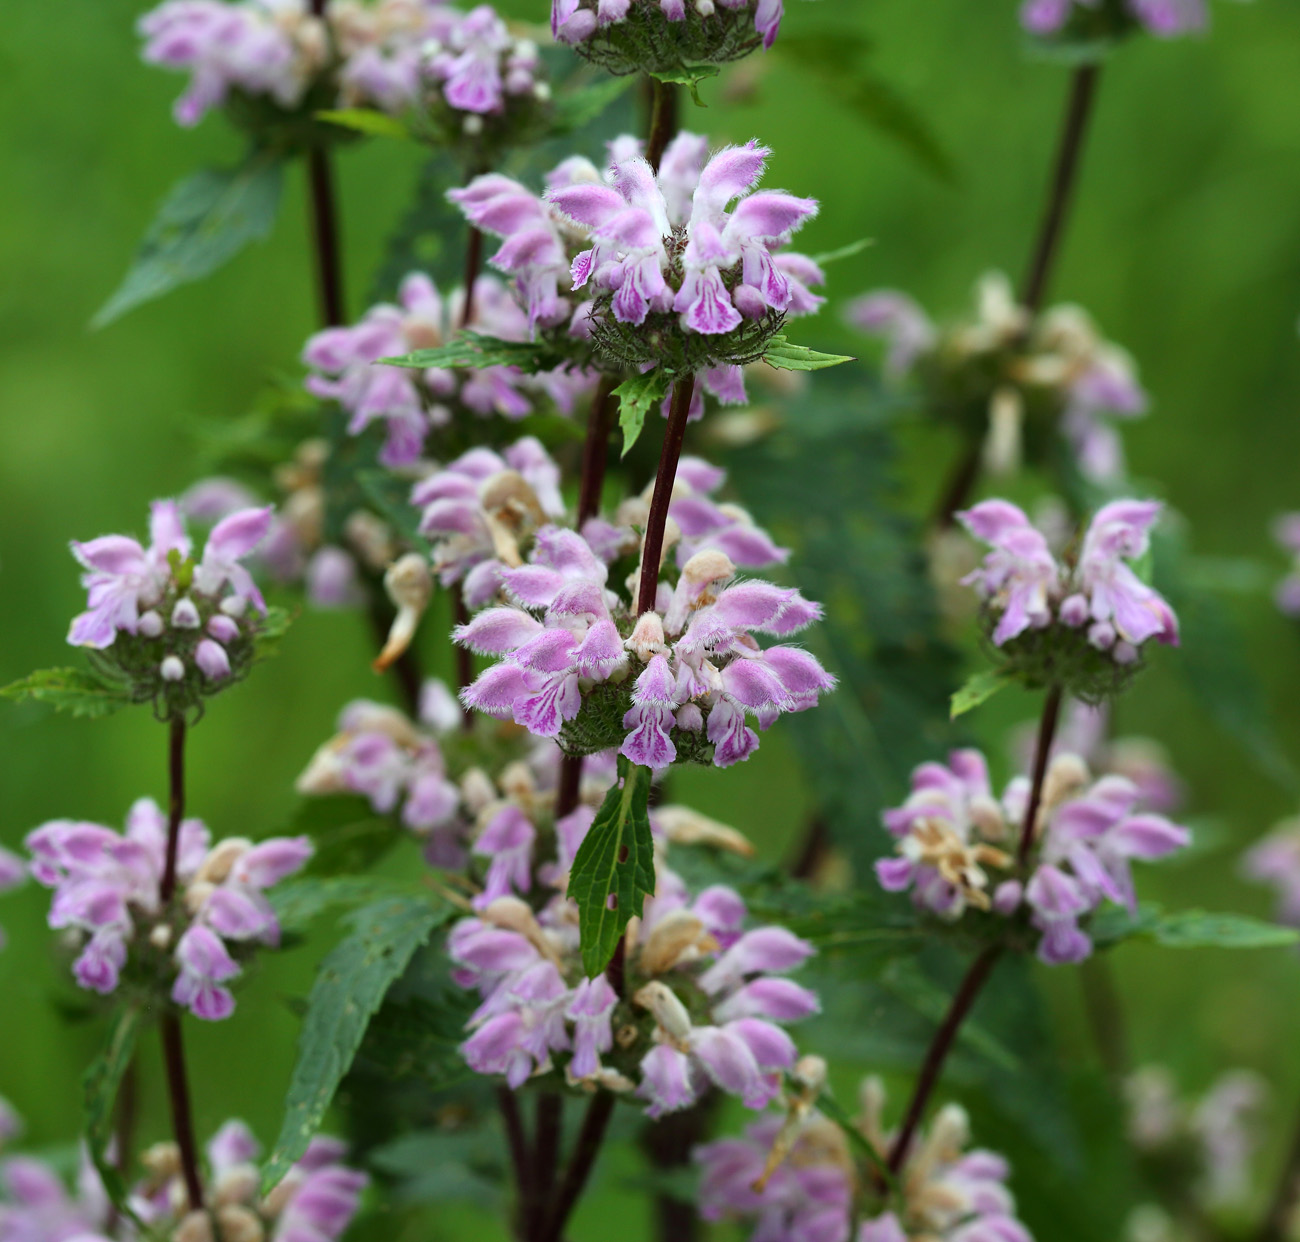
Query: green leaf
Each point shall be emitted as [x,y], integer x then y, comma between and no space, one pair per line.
[271,629]
[576,108]
[477,350]
[844,252]
[367,121]
[689,76]
[979,688]
[616,860]
[297,902]
[636,398]
[204,222]
[101,1083]
[70,690]
[1189,929]
[349,988]
[781,354]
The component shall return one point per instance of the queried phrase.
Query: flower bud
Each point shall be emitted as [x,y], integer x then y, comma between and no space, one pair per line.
[1066,775]
[667,1009]
[370,537]
[172,668]
[678,937]
[212,660]
[410,586]
[185,615]
[1073,611]
[216,866]
[477,790]
[238,1184]
[647,638]
[810,1072]
[194,1227]
[236,1223]
[234,605]
[684,826]
[150,624]
[223,629]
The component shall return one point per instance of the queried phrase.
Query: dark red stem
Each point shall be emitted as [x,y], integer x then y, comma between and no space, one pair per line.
[1042,754]
[595,448]
[581,1163]
[663,120]
[971,986]
[1078,110]
[175,806]
[473,261]
[325,235]
[653,544]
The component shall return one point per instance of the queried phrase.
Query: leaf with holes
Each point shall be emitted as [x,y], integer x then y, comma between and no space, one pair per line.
[70,690]
[636,398]
[204,222]
[786,357]
[615,863]
[348,990]
[102,1081]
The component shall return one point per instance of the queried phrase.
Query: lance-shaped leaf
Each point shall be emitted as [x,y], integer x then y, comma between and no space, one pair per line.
[367,121]
[204,222]
[843,252]
[348,990]
[70,690]
[979,688]
[477,350]
[787,357]
[614,871]
[1188,929]
[102,1081]
[636,398]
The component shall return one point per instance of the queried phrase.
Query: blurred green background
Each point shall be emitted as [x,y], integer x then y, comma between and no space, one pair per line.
[1185,244]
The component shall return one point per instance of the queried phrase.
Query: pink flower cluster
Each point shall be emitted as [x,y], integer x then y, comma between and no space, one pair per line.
[948,1194]
[707,997]
[315,1202]
[107,892]
[956,844]
[477,64]
[1025,588]
[380,753]
[1019,359]
[673,241]
[576,21]
[693,666]
[380,54]
[183,612]
[411,402]
[1166,18]
[1275,860]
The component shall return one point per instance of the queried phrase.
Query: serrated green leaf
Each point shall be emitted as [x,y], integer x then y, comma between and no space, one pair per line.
[297,902]
[787,357]
[1188,929]
[101,1084]
[844,252]
[477,350]
[349,988]
[204,222]
[979,688]
[69,690]
[579,107]
[616,860]
[367,121]
[636,398]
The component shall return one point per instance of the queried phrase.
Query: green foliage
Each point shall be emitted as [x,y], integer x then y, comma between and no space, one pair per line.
[101,1084]
[204,222]
[477,350]
[824,485]
[271,628]
[979,688]
[838,61]
[781,354]
[348,990]
[858,1142]
[367,121]
[614,863]
[298,902]
[391,497]
[1188,929]
[843,252]
[433,1166]
[636,398]
[79,692]
[577,107]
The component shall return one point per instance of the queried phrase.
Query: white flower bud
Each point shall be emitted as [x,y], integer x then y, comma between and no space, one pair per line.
[326,773]
[234,605]
[667,1009]
[216,866]
[1002,448]
[194,1227]
[162,1161]
[370,538]
[1066,775]
[237,1223]
[472,125]
[185,615]
[150,624]
[684,826]
[236,1185]
[517,782]
[477,790]
[161,937]
[172,668]
[542,93]
[410,586]
[810,1072]
[678,937]
[647,638]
